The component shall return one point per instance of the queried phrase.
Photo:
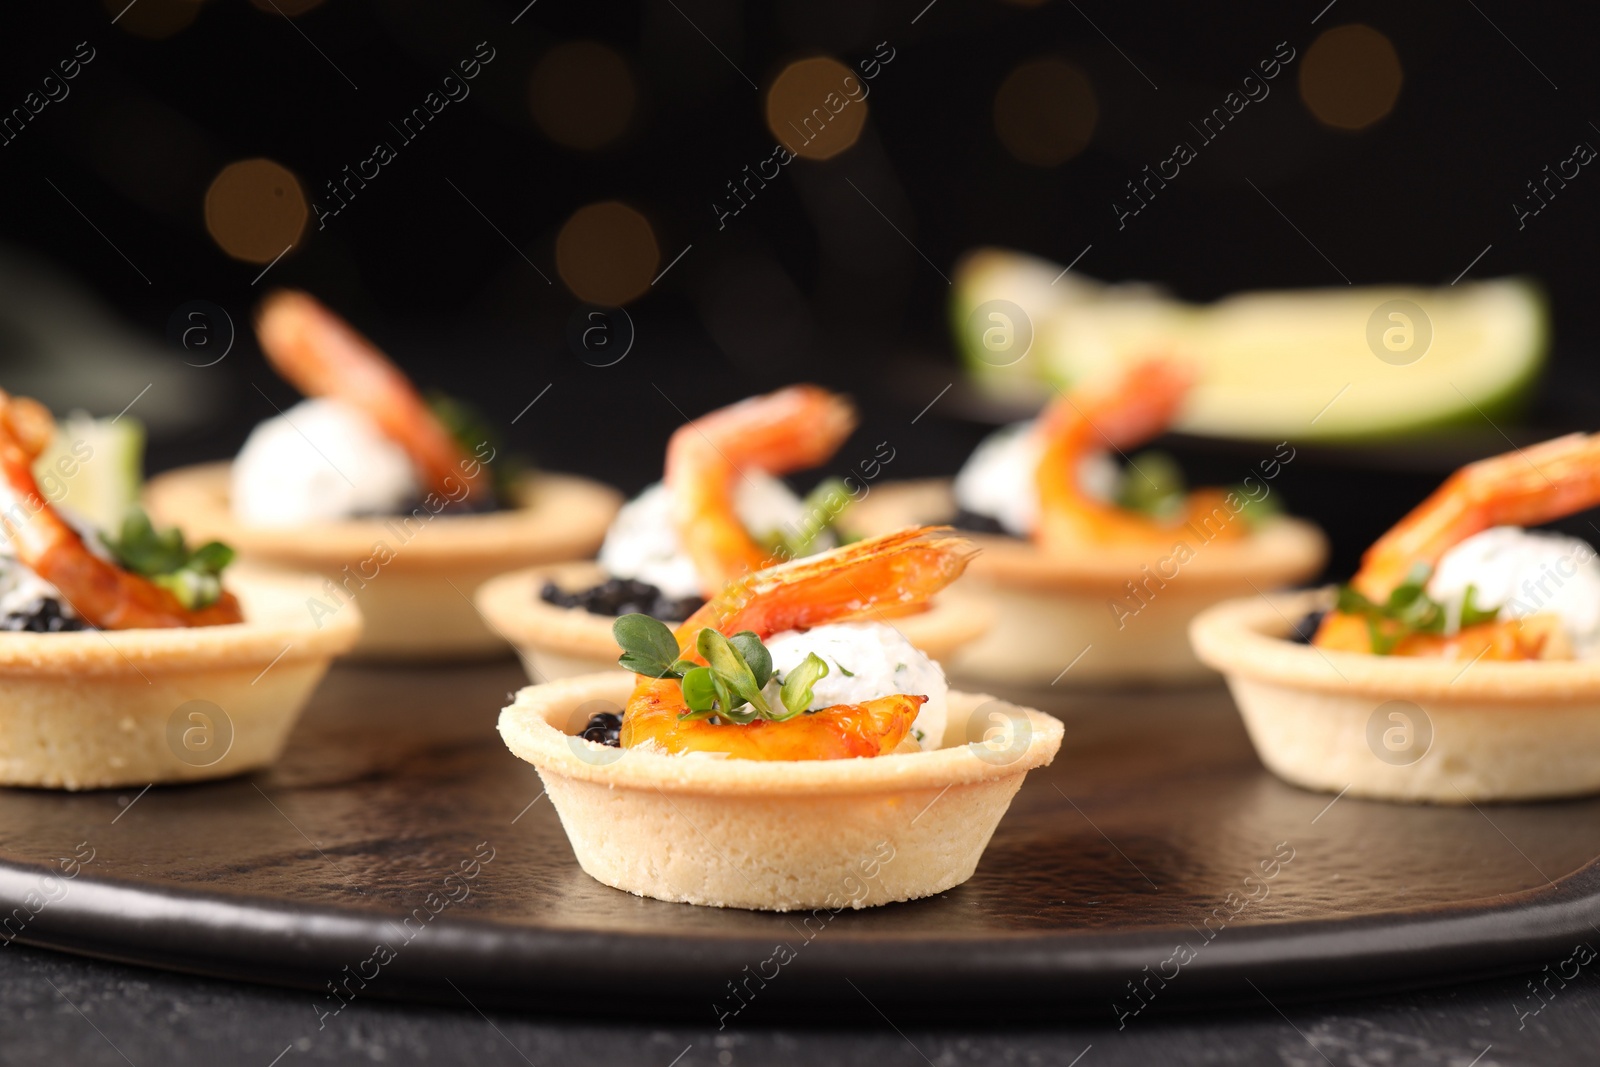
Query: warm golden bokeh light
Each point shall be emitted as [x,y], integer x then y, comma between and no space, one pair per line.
[1350,77]
[1045,111]
[582,95]
[286,7]
[817,107]
[255,209]
[607,253]
[154,20]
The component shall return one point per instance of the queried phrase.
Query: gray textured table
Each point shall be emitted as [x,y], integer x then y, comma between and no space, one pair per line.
[60,1009]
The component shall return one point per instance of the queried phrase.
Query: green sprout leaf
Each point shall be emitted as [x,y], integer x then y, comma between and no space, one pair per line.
[796,693]
[699,693]
[1153,484]
[1409,610]
[755,655]
[194,577]
[1257,510]
[648,647]
[731,670]
[820,511]
[472,430]
[1471,614]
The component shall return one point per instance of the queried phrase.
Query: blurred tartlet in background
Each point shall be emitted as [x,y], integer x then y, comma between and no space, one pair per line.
[402,505]
[1459,664]
[127,655]
[719,513]
[1096,567]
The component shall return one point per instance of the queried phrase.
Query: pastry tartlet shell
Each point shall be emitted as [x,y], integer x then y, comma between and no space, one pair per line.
[96,709]
[419,602]
[1050,609]
[775,836]
[1466,732]
[556,642]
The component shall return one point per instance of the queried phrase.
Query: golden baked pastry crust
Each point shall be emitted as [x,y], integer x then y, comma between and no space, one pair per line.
[416,590]
[773,835]
[1049,609]
[96,709]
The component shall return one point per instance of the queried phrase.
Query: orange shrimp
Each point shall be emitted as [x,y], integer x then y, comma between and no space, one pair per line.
[322,355]
[1524,488]
[792,429]
[1136,408]
[103,594]
[854,582]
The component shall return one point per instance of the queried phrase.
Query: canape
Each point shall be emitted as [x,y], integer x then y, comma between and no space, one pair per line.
[1460,664]
[780,751]
[720,512]
[1095,569]
[125,660]
[403,507]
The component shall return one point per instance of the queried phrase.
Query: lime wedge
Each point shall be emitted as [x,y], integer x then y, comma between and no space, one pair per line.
[93,468]
[1327,364]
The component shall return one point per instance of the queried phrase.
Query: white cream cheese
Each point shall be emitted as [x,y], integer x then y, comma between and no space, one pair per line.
[319,461]
[998,479]
[867,660]
[22,590]
[643,544]
[1523,574]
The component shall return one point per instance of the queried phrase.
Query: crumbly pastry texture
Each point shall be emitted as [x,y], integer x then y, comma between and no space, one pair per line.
[776,836]
[1399,727]
[103,709]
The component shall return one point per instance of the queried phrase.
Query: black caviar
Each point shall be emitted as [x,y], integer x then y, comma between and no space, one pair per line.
[1306,628]
[605,728]
[45,617]
[623,596]
[973,522]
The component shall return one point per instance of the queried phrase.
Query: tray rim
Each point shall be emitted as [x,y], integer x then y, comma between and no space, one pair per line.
[253,939]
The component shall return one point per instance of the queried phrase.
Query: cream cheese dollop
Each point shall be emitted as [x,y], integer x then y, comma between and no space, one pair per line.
[643,544]
[1526,573]
[320,461]
[998,479]
[21,588]
[867,660]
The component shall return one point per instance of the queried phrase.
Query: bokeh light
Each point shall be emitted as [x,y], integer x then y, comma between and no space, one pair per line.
[154,20]
[255,209]
[582,95]
[817,107]
[607,253]
[1045,111]
[1350,77]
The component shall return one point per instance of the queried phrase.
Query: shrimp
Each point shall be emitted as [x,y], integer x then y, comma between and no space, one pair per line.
[1136,408]
[792,429]
[858,581]
[322,355]
[1524,488]
[103,594]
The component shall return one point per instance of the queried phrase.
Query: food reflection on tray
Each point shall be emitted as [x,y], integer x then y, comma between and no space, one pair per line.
[747,700]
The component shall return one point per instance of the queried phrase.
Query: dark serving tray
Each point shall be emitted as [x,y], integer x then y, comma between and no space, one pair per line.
[1155,828]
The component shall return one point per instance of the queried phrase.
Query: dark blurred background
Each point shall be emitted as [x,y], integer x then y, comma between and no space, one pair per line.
[470,254]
